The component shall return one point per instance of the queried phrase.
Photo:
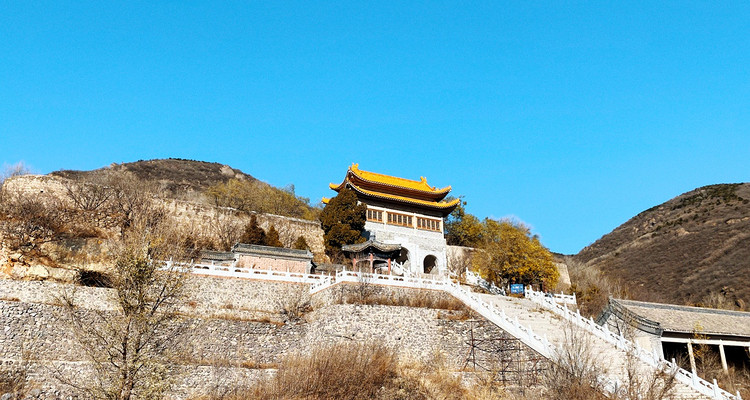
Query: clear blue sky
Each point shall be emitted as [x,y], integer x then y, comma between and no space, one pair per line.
[573,117]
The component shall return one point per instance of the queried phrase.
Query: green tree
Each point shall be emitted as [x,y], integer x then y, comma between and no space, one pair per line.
[462,228]
[510,254]
[272,238]
[343,221]
[253,233]
[301,244]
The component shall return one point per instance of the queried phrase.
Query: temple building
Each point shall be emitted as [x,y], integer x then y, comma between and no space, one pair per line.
[400,212]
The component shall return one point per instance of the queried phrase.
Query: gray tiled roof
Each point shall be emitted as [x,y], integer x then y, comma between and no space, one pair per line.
[384,247]
[274,252]
[684,319]
[217,255]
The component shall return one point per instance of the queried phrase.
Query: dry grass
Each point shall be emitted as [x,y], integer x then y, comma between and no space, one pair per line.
[349,371]
[13,380]
[363,293]
[238,318]
[421,300]
[591,287]
[457,315]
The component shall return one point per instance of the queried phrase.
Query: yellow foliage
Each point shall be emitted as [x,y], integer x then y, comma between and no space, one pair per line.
[510,254]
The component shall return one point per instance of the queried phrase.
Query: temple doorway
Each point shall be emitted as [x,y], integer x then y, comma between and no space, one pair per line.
[430,264]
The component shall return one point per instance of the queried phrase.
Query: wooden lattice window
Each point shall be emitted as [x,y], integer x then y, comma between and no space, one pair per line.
[374,215]
[429,224]
[400,219]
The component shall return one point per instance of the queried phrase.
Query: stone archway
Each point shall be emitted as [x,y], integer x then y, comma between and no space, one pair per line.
[403,257]
[402,263]
[430,265]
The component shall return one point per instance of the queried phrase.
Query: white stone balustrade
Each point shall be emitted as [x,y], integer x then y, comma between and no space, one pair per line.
[488,311]
[233,271]
[712,390]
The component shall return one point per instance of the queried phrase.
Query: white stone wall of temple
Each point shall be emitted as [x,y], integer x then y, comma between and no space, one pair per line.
[420,243]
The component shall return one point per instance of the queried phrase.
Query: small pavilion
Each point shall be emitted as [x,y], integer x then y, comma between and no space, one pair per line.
[377,256]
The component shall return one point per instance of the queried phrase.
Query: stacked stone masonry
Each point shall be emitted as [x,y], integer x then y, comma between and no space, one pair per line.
[235,322]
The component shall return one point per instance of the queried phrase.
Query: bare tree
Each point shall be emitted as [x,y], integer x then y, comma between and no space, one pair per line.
[287,233]
[132,199]
[16,169]
[227,229]
[15,377]
[295,303]
[365,289]
[128,347]
[88,196]
[29,221]
[574,372]
[459,263]
[645,383]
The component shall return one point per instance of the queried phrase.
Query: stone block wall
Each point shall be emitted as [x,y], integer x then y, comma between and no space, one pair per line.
[222,341]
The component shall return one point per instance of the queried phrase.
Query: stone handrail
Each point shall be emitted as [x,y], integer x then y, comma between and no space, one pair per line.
[706,388]
[497,316]
[390,280]
[324,283]
[565,298]
[252,273]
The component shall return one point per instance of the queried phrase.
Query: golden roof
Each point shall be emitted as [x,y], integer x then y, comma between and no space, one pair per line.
[373,177]
[432,204]
[391,188]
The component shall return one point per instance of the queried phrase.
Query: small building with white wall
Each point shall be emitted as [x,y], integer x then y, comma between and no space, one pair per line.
[673,331]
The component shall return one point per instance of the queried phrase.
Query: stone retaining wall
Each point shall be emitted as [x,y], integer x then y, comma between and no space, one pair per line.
[32,324]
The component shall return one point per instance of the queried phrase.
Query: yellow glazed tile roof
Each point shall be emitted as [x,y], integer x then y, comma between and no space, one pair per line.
[434,204]
[420,185]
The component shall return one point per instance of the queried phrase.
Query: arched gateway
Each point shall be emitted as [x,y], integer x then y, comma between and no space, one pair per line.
[403,212]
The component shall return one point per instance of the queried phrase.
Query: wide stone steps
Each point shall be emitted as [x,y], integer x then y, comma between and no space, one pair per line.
[611,360]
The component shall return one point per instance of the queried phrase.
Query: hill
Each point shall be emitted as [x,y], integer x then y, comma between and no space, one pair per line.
[176,176]
[692,249]
[207,182]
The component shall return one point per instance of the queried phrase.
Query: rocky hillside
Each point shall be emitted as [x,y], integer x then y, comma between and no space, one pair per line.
[53,224]
[693,249]
[177,176]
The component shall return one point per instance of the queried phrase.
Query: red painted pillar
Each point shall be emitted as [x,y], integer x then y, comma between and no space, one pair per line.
[372,265]
[389,266]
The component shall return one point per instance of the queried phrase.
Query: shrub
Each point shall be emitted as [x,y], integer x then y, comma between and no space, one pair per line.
[343,371]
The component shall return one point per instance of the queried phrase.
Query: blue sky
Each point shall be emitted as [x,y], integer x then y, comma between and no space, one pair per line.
[571,116]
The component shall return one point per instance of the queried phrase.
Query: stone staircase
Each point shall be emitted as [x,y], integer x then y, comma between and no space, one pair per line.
[560,332]
[537,321]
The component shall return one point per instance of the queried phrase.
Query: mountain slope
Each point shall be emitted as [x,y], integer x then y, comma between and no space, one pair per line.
[206,182]
[174,175]
[683,250]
